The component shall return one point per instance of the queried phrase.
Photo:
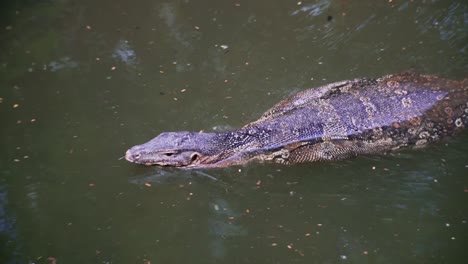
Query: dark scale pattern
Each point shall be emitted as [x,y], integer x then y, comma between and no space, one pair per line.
[334,121]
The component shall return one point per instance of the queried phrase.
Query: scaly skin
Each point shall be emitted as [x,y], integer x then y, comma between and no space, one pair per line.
[331,122]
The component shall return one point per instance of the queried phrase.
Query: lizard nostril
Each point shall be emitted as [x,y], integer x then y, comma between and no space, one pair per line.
[134,155]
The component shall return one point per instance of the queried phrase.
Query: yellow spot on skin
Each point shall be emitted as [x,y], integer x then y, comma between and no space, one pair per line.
[393,84]
[415,121]
[400,92]
[448,111]
[407,102]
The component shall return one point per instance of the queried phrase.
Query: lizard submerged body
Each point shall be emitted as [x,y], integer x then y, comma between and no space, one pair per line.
[331,122]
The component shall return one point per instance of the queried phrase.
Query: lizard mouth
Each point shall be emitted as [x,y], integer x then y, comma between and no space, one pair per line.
[138,158]
[163,159]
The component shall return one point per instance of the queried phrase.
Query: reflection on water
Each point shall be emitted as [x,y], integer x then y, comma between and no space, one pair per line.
[10,250]
[162,176]
[62,63]
[82,81]
[452,25]
[222,220]
[314,9]
[124,53]
[222,226]
[168,13]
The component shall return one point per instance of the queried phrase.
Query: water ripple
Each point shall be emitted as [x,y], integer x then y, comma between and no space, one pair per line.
[313,9]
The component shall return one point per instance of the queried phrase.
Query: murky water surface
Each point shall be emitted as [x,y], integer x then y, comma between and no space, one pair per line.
[81,81]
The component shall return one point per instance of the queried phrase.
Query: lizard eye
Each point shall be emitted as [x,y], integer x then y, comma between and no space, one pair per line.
[168,154]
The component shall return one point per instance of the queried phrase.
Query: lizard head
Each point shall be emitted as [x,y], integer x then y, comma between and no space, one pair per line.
[175,149]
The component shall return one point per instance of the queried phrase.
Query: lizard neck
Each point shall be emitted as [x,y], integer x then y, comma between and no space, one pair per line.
[230,147]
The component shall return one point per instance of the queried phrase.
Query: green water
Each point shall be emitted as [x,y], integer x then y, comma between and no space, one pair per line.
[82,81]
